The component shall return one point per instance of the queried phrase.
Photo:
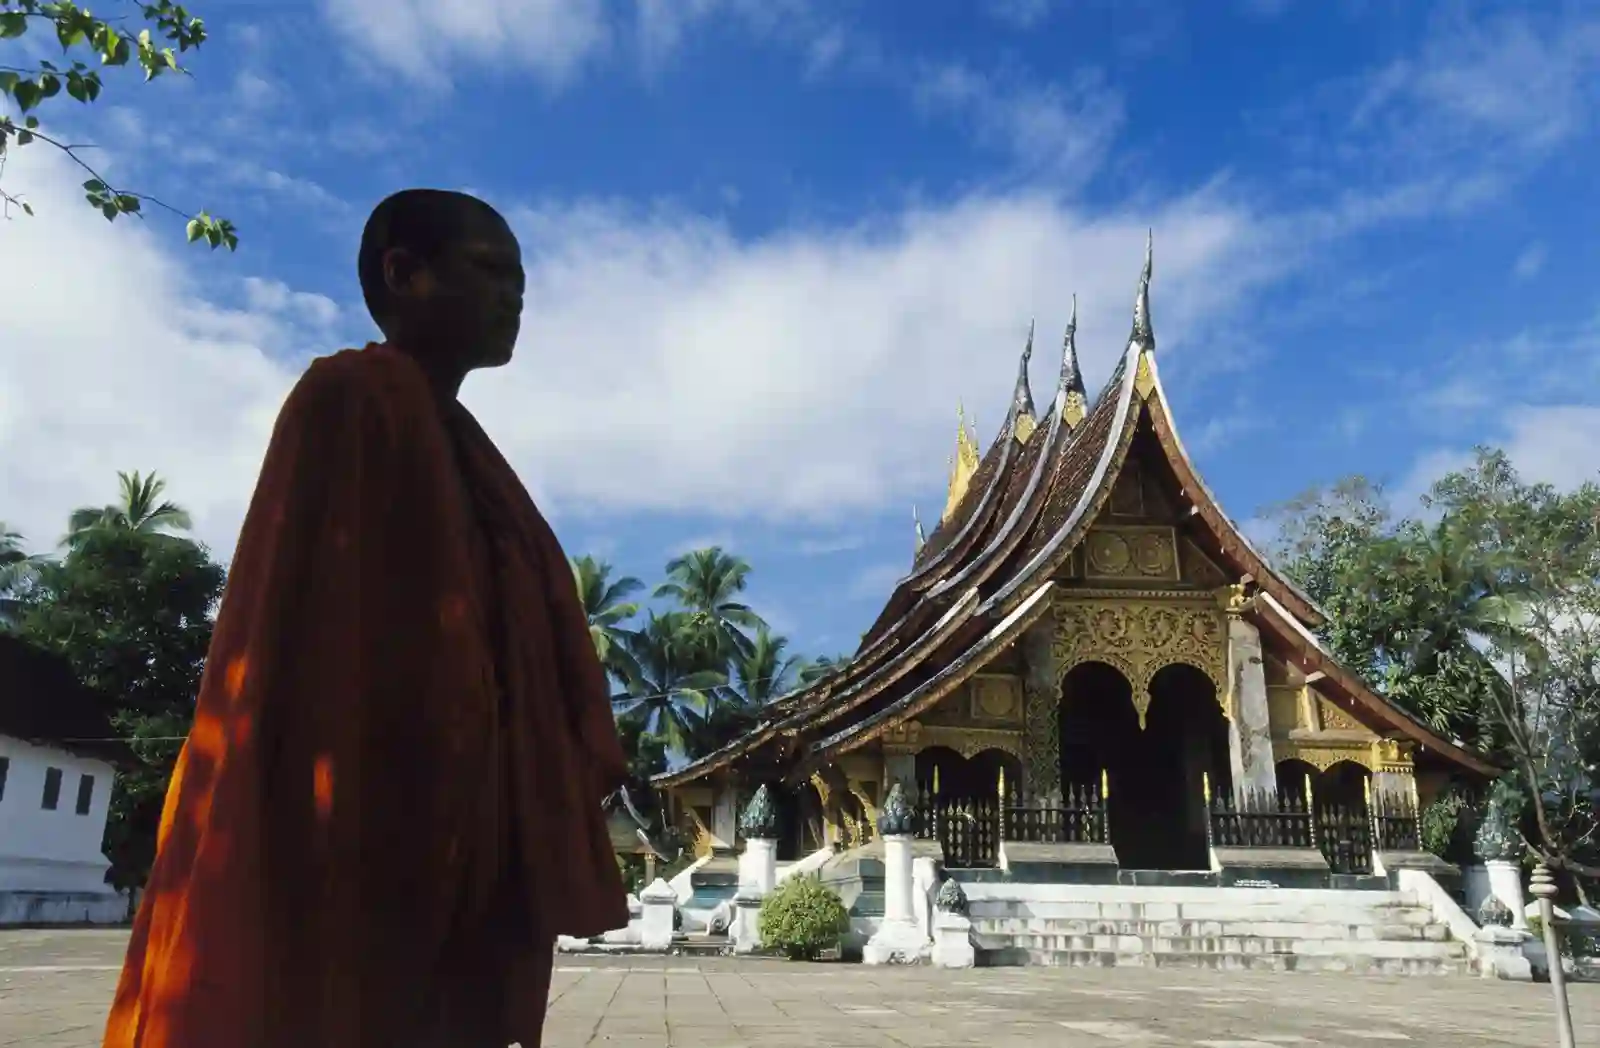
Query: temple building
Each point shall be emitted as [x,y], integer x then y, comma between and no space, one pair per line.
[1086,652]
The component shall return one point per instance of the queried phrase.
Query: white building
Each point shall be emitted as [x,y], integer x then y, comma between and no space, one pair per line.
[55,792]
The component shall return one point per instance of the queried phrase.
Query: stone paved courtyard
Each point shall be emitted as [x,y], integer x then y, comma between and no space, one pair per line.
[56,985]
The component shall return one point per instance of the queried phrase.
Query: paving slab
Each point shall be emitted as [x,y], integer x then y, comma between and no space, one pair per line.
[55,987]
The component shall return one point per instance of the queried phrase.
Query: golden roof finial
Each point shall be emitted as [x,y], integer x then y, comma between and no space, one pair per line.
[964,464]
[1023,420]
[1075,398]
[922,538]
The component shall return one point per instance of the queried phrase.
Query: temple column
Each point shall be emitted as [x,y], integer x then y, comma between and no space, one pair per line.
[1394,784]
[1250,734]
[1041,697]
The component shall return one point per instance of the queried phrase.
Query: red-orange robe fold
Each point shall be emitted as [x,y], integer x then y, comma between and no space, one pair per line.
[389,803]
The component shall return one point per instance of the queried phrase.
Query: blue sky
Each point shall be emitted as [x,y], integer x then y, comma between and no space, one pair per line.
[772,244]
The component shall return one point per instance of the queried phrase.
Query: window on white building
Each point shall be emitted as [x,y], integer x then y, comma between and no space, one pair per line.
[85,793]
[5,770]
[52,789]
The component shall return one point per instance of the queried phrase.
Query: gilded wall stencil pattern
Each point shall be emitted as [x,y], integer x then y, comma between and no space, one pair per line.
[996,699]
[1142,553]
[1139,638]
[1336,719]
[1042,709]
[1324,757]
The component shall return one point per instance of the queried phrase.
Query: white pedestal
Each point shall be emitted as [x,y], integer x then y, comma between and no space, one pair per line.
[1505,882]
[746,928]
[1501,954]
[898,940]
[897,883]
[658,902]
[952,941]
[758,864]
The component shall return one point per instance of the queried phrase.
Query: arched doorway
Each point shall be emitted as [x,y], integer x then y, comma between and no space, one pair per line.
[1344,827]
[1296,784]
[942,772]
[1154,774]
[985,770]
[1185,749]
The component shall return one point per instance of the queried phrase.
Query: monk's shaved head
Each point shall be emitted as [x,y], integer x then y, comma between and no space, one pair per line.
[423,222]
[441,273]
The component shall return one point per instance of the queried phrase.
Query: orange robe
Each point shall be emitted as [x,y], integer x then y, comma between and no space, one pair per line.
[388,806]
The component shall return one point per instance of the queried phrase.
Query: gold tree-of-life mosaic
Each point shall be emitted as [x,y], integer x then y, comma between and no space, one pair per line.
[1139,638]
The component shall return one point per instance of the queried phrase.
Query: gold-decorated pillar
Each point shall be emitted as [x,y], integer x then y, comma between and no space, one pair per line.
[1250,734]
[1041,696]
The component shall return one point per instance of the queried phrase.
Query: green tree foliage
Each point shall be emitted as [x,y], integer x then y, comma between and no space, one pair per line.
[18,570]
[607,607]
[1482,617]
[139,508]
[132,613]
[679,674]
[152,39]
[694,675]
[705,582]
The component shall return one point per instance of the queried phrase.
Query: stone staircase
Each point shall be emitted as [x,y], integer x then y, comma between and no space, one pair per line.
[1282,929]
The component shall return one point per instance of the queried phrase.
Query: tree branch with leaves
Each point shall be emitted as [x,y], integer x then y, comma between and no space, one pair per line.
[168,31]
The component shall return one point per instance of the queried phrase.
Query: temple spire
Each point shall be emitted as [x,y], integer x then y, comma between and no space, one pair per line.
[1142,331]
[1143,339]
[1023,420]
[922,537]
[1075,401]
[965,464]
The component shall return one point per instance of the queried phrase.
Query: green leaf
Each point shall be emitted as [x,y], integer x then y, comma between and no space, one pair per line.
[12,24]
[109,210]
[24,138]
[8,80]
[50,84]
[94,185]
[27,209]
[194,230]
[27,93]
[77,88]
[127,203]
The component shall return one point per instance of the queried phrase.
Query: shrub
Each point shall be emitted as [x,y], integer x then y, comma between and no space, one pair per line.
[1440,822]
[801,919]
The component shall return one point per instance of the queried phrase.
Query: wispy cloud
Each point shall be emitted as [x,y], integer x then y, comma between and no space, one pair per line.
[1529,263]
[1061,131]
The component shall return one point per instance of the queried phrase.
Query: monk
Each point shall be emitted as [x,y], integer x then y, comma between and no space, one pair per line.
[389,804]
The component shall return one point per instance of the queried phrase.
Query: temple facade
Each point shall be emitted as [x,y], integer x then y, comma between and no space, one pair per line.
[1087,660]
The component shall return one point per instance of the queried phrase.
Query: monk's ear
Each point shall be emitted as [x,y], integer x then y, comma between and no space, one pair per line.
[405,274]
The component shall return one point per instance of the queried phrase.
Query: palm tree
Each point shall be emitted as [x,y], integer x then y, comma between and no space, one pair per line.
[764,672]
[606,605]
[18,569]
[705,582]
[821,666]
[674,687]
[140,509]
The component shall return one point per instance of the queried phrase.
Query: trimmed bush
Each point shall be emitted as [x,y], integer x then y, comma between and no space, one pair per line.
[801,919]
